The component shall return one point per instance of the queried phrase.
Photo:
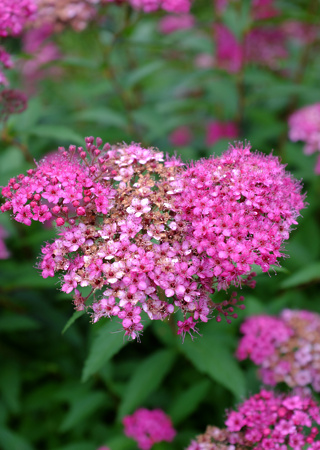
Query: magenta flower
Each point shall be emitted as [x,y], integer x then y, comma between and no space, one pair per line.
[148,427]
[6,62]
[285,348]
[266,46]
[15,14]
[181,136]
[229,52]
[266,421]
[304,125]
[261,9]
[12,101]
[264,9]
[171,23]
[239,208]
[35,42]
[218,130]
[171,6]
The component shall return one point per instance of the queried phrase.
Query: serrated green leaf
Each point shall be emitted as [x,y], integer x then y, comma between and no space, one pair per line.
[104,116]
[213,356]
[57,133]
[308,274]
[72,319]
[187,402]
[82,408]
[146,379]
[12,441]
[105,345]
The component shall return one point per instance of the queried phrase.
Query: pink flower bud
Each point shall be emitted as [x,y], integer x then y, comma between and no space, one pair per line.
[60,221]
[81,211]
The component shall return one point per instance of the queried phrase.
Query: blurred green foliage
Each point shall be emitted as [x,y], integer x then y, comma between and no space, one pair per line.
[65,383]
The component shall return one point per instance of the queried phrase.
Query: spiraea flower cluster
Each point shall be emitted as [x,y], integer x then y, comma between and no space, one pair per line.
[147,427]
[41,51]
[260,9]
[240,208]
[286,348]
[61,13]
[142,233]
[14,15]
[171,6]
[6,63]
[266,421]
[171,23]
[217,130]
[264,46]
[304,125]
[12,101]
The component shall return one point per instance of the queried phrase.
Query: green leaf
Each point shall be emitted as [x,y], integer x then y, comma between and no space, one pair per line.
[82,408]
[308,274]
[120,443]
[78,446]
[106,344]
[12,441]
[142,72]
[10,383]
[187,402]
[72,319]
[57,133]
[145,380]
[213,356]
[14,322]
[104,116]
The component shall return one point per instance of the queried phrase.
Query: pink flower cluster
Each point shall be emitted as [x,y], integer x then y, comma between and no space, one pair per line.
[171,23]
[35,43]
[214,129]
[264,45]
[229,52]
[266,421]
[147,427]
[4,253]
[181,136]
[60,13]
[264,9]
[171,6]
[286,348]
[147,235]
[14,15]
[6,62]
[304,125]
[261,9]
[218,130]
[12,101]
[240,208]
